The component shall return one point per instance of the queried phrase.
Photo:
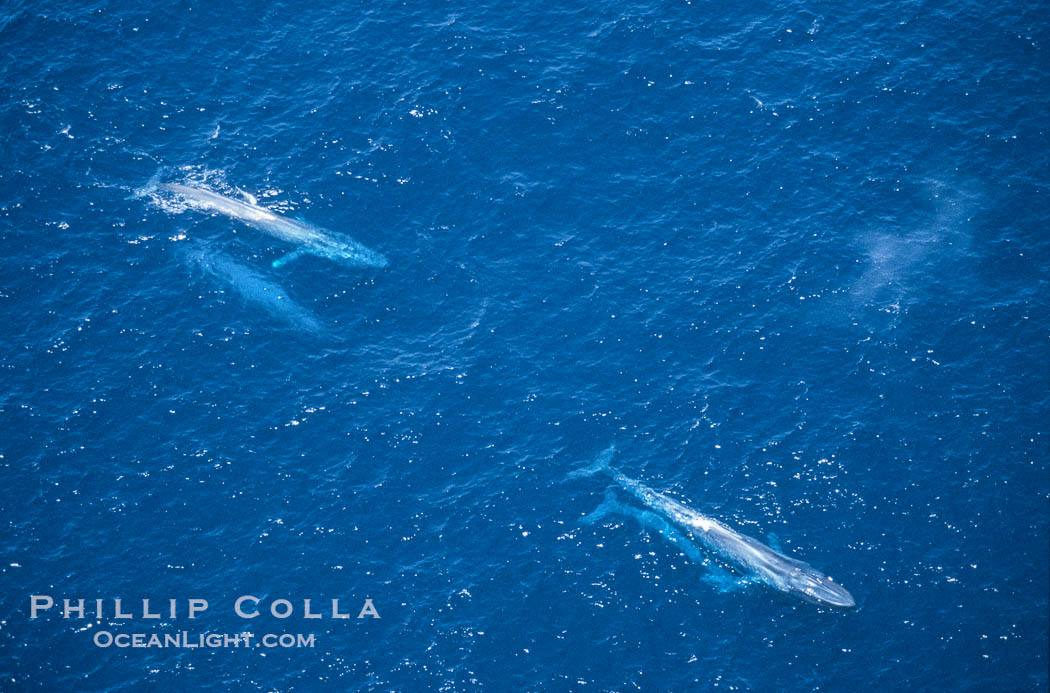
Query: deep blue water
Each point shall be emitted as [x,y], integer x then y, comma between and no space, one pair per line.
[791,258]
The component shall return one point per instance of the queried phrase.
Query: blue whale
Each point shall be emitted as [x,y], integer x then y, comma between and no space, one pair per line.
[311,240]
[749,556]
[252,286]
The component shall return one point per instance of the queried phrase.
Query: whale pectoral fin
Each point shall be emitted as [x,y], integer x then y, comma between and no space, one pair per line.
[773,542]
[723,580]
[285,259]
[653,521]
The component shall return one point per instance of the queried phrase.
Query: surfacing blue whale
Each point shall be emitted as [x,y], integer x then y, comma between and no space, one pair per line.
[311,240]
[250,285]
[743,553]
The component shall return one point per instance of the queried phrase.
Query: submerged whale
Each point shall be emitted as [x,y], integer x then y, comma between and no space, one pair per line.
[743,553]
[311,240]
[252,286]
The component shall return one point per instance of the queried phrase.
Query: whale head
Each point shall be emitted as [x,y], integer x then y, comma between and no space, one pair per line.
[351,253]
[366,257]
[819,589]
[379,260]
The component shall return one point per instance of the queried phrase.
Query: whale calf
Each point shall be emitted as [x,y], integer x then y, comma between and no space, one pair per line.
[311,240]
[251,286]
[743,553]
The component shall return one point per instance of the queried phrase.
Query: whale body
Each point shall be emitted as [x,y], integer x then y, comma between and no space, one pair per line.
[311,239]
[743,553]
[250,285]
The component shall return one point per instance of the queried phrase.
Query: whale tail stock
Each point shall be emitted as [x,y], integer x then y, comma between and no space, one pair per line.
[153,181]
[149,188]
[600,464]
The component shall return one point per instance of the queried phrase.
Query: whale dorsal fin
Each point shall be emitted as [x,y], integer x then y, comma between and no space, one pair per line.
[251,199]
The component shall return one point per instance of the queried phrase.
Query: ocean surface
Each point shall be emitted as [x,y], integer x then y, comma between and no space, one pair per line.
[792,259]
